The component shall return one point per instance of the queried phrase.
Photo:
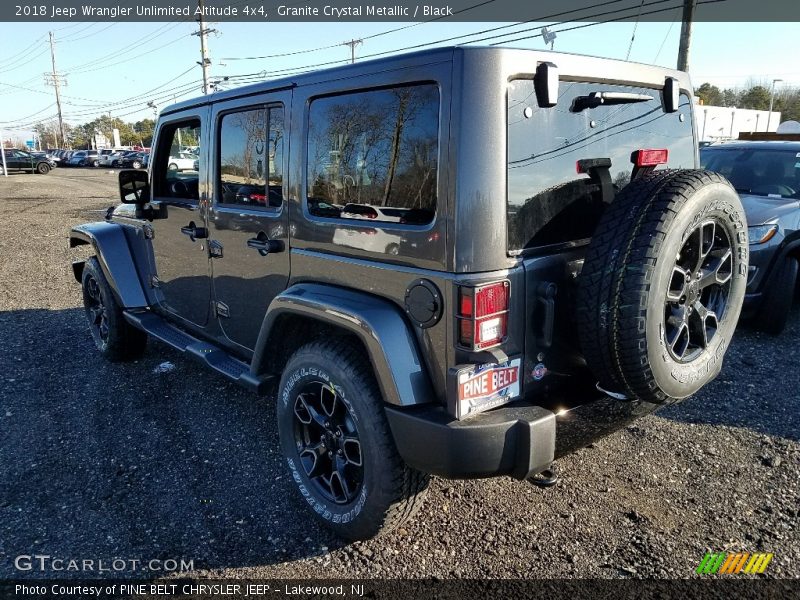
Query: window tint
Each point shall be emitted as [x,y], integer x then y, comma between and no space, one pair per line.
[548,202]
[251,158]
[374,155]
[177,178]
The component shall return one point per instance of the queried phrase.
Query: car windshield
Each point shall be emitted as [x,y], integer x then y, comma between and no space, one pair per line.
[760,171]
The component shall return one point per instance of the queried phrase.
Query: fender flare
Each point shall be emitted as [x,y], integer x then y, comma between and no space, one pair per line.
[114,254]
[376,322]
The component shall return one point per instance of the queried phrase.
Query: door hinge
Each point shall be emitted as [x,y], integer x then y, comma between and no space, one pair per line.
[221,309]
[155,281]
[215,249]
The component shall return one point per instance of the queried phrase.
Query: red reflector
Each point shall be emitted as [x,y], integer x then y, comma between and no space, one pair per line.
[491,299]
[258,198]
[649,158]
[578,167]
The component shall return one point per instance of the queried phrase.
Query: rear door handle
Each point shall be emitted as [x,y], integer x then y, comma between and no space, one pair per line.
[265,245]
[194,233]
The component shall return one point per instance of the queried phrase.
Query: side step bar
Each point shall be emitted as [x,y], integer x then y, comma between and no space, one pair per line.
[213,356]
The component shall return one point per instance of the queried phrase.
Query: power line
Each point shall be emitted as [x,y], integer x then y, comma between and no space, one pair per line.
[296,70]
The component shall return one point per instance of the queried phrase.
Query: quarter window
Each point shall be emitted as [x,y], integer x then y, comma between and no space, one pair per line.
[374,155]
[251,158]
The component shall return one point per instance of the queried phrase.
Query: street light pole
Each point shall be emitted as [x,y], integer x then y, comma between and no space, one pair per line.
[771,100]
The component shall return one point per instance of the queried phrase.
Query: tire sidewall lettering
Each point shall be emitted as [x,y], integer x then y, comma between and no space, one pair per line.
[329,512]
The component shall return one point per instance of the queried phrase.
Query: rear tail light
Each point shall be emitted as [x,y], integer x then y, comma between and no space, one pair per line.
[649,158]
[260,198]
[483,315]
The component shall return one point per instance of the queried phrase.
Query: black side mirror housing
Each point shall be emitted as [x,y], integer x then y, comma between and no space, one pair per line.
[134,186]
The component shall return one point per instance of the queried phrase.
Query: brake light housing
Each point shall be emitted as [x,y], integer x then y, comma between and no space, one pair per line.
[650,158]
[483,315]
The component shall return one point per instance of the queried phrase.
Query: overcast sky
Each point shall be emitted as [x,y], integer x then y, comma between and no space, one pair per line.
[119,67]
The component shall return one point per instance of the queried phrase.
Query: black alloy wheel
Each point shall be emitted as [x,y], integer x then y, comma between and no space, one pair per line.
[327,442]
[96,312]
[698,291]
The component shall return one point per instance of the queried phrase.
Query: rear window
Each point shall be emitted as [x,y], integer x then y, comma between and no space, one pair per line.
[548,202]
[375,154]
[760,171]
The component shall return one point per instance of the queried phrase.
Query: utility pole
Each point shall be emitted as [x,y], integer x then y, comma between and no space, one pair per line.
[686,34]
[55,80]
[353,44]
[204,62]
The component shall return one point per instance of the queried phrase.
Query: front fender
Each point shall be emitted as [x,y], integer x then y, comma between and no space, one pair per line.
[116,259]
[378,323]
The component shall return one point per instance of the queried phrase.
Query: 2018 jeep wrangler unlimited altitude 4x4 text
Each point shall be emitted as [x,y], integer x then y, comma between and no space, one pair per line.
[461,262]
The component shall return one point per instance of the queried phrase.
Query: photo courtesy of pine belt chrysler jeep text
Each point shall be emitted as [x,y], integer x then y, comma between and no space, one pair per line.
[465,262]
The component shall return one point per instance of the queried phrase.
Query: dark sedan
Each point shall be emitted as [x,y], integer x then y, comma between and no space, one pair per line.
[767,177]
[19,160]
[134,160]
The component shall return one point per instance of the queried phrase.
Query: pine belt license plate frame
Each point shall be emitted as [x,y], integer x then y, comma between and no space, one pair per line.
[482,387]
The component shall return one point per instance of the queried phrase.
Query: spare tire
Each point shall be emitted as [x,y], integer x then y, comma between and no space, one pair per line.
[662,285]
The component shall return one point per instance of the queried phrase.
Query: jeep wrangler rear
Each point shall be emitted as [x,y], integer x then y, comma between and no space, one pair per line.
[464,262]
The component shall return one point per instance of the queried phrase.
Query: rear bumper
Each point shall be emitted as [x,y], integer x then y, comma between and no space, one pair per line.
[518,440]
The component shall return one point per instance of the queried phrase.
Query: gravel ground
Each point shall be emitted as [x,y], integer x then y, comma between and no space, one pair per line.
[100,460]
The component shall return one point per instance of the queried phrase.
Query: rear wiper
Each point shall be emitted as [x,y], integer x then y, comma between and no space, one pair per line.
[596,99]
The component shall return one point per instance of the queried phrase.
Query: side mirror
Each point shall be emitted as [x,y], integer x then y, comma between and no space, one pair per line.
[134,186]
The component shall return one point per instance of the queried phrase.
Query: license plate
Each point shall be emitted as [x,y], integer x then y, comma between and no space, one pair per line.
[482,387]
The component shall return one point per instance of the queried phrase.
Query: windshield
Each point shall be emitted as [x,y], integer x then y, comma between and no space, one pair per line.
[548,202]
[760,171]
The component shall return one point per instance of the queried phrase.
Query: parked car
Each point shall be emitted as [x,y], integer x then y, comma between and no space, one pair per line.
[767,177]
[550,308]
[19,160]
[183,161]
[79,158]
[133,160]
[46,155]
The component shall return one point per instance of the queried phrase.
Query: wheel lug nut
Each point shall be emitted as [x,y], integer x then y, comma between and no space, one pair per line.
[338,434]
[339,452]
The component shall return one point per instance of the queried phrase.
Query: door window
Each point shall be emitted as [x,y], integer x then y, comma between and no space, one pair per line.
[178,180]
[251,158]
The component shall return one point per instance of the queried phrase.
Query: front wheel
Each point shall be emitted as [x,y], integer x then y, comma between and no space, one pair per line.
[115,338]
[172,167]
[776,303]
[136,164]
[43,168]
[338,446]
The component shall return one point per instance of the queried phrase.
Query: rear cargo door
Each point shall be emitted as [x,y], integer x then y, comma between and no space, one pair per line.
[553,209]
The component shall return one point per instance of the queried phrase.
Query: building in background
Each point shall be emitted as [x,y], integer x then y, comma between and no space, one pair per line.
[719,123]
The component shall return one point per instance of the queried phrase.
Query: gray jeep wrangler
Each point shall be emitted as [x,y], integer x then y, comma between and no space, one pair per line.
[464,262]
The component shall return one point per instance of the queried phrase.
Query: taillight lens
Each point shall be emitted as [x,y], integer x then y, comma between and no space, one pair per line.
[650,158]
[483,315]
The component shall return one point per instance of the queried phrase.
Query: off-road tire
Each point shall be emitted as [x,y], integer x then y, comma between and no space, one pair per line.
[627,273]
[776,303]
[121,341]
[390,492]
[42,168]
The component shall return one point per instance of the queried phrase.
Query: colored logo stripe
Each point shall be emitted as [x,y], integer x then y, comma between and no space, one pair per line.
[732,563]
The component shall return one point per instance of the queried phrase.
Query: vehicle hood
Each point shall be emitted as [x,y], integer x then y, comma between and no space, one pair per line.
[762,209]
